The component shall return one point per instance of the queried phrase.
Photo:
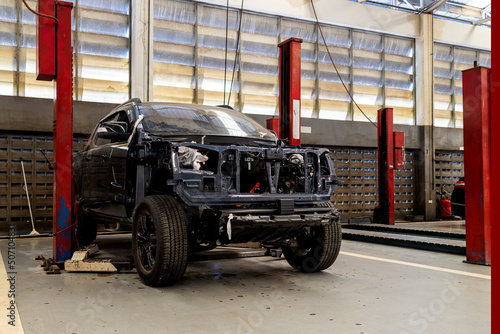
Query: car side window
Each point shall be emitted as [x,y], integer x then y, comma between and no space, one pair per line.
[113,129]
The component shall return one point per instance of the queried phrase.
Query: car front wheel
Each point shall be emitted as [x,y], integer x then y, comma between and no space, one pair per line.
[316,248]
[160,240]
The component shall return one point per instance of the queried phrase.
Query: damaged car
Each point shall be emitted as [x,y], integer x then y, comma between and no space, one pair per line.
[188,178]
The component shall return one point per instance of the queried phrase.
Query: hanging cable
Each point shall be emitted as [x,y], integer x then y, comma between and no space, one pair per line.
[236,52]
[225,57]
[39,14]
[335,66]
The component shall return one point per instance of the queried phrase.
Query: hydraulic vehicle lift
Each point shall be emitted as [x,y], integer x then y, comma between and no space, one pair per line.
[287,126]
[477,162]
[391,155]
[55,62]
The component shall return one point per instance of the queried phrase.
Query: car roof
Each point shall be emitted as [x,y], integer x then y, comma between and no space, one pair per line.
[138,102]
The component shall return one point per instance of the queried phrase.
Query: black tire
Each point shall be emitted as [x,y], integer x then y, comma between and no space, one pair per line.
[86,228]
[317,248]
[160,240]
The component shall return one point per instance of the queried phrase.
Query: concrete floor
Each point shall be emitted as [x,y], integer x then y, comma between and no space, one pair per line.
[370,289]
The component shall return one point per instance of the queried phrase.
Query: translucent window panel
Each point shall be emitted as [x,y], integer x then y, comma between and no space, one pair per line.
[443,107]
[485,59]
[28,85]
[443,85]
[442,118]
[103,51]
[459,119]
[8,42]
[399,79]
[7,70]
[259,64]
[449,62]
[464,60]
[367,75]
[334,101]
[443,53]
[113,6]
[174,52]
[307,32]
[213,67]
[367,41]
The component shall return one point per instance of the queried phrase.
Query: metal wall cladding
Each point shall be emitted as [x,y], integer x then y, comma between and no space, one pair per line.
[449,168]
[358,197]
[39,178]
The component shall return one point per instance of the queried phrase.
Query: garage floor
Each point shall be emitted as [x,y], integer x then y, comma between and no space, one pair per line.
[370,289]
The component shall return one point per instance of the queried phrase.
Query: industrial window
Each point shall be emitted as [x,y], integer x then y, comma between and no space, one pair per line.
[212,56]
[174,52]
[334,102]
[367,74]
[399,78]
[8,42]
[189,62]
[102,50]
[259,64]
[189,53]
[449,62]
[100,43]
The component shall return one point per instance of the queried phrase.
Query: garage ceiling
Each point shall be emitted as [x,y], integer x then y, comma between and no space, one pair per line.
[477,12]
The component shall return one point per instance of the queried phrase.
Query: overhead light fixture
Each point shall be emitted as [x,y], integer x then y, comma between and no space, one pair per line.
[479,3]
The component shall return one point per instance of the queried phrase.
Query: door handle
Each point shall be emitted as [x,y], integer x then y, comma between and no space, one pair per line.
[104,157]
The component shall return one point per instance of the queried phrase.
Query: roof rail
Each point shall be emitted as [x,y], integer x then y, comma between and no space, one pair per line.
[134,100]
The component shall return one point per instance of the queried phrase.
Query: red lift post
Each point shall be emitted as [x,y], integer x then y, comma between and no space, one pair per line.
[477,155]
[55,62]
[391,155]
[288,125]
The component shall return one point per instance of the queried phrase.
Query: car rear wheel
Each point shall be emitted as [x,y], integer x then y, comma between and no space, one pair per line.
[316,248]
[160,240]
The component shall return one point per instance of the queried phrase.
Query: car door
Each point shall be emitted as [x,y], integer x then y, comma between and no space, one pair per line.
[93,192]
[116,153]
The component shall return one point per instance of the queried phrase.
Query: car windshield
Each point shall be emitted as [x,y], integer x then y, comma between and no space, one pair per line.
[167,120]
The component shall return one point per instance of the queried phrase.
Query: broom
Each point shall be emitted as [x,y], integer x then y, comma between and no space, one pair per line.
[33,232]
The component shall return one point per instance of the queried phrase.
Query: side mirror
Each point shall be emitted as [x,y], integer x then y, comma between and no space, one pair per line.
[114,131]
[114,136]
[115,126]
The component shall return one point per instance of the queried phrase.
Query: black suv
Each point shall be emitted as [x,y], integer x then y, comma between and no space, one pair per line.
[190,177]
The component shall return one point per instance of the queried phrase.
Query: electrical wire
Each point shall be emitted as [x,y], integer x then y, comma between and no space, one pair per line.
[40,14]
[236,52]
[335,66]
[225,57]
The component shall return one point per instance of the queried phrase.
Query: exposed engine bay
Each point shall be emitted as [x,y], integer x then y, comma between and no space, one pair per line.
[230,171]
[240,193]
